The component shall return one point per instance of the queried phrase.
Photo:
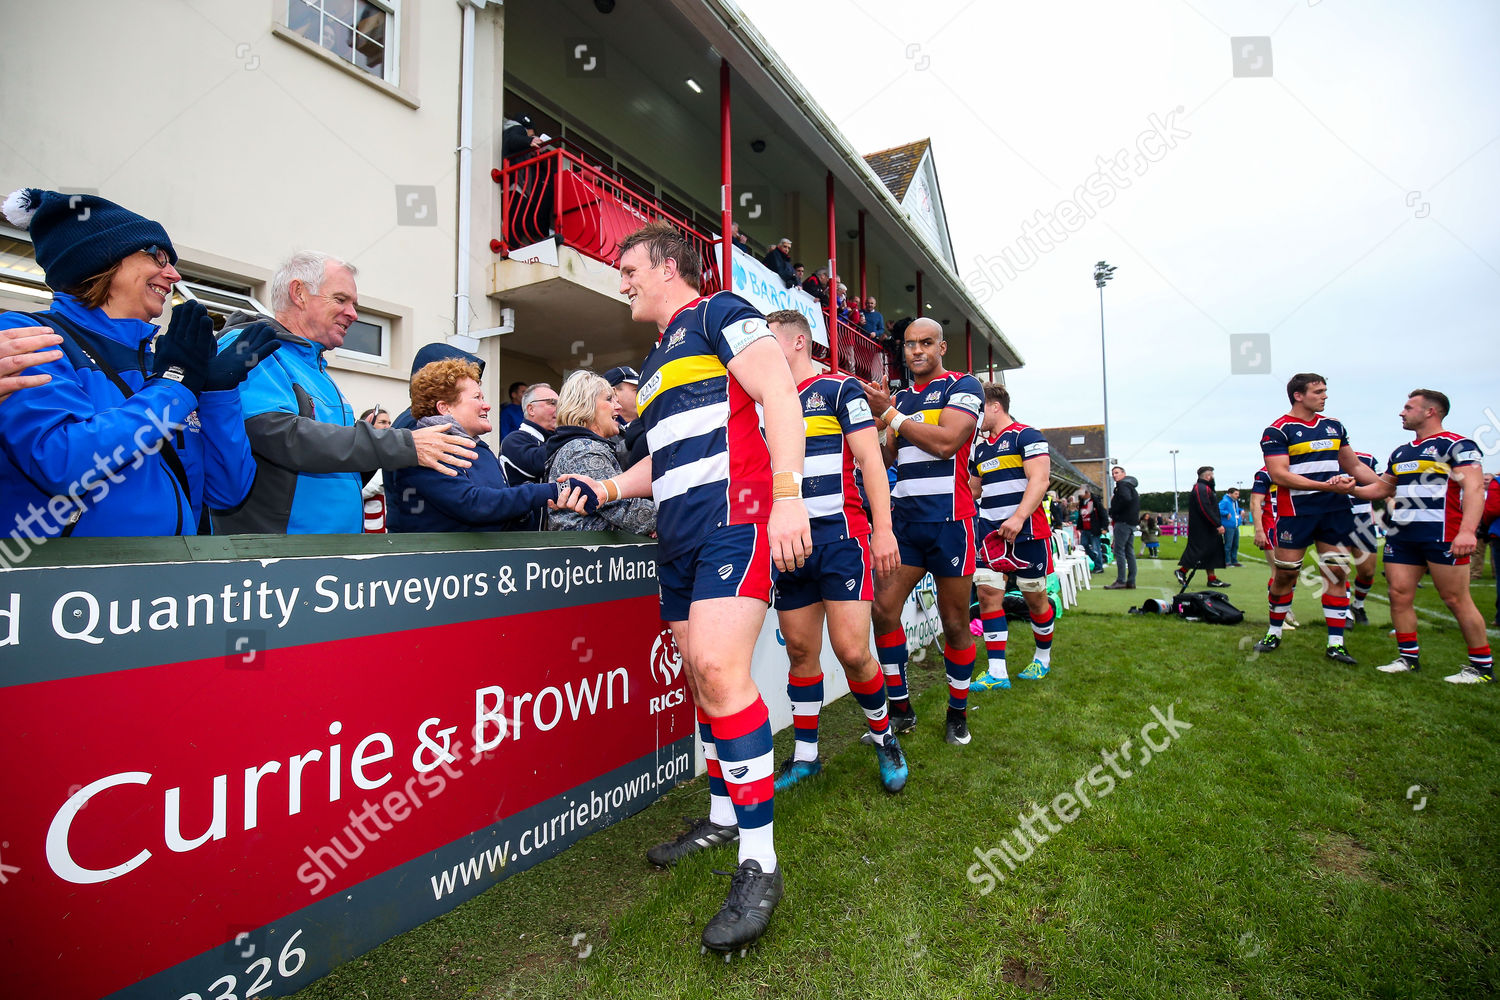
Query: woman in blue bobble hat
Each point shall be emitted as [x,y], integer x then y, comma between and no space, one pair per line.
[127,436]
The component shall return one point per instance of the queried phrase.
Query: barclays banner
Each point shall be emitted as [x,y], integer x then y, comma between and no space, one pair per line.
[759,284]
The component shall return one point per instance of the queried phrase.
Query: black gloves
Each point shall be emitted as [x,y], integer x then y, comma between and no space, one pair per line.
[228,369]
[184,352]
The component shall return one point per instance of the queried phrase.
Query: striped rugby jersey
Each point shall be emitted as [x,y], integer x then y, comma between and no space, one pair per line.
[832,407]
[929,488]
[999,464]
[1312,450]
[1363,507]
[710,466]
[1426,505]
[1267,489]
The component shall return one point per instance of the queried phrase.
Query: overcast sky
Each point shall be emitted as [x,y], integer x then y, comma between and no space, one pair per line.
[1345,204]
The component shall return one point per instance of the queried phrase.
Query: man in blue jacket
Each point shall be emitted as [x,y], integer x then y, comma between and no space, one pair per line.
[311,454]
[1229,514]
[128,433]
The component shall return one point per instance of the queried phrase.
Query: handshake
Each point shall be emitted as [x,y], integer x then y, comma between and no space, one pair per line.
[189,353]
[1343,484]
[577,493]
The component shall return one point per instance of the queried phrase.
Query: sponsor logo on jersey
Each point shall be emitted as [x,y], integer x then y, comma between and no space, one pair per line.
[1035,449]
[742,334]
[1404,467]
[859,410]
[849,585]
[726,571]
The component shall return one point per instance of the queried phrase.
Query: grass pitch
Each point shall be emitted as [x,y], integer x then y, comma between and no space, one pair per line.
[1320,831]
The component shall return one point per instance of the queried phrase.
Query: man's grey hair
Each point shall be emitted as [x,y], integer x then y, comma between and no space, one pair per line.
[529,396]
[784,239]
[306,266]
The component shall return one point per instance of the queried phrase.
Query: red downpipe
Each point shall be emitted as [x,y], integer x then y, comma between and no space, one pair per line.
[726,188]
[833,284]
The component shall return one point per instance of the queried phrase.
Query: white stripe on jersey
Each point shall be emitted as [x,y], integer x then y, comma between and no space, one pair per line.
[676,482]
[823,465]
[1413,515]
[911,453]
[930,486]
[688,424]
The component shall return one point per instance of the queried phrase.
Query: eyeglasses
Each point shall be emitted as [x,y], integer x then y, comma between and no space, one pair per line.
[159,255]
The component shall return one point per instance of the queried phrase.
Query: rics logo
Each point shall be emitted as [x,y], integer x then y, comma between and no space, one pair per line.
[666,660]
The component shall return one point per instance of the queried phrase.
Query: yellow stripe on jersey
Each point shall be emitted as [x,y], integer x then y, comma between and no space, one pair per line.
[1421,466]
[819,426]
[1326,444]
[683,371]
[927,416]
[1000,462]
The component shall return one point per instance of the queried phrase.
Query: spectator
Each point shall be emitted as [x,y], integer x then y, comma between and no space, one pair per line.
[874,322]
[1205,541]
[311,455]
[426,355]
[817,286]
[1091,524]
[374,489]
[1230,516]
[631,444]
[1125,511]
[1150,535]
[529,187]
[587,412]
[447,394]
[21,348]
[799,272]
[779,259]
[738,238]
[523,452]
[123,437]
[1476,561]
[513,412]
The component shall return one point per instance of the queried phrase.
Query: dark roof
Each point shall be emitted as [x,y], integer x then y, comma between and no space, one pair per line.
[898,165]
[1091,448]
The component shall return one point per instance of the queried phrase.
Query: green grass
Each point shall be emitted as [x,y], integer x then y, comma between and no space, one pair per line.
[1272,851]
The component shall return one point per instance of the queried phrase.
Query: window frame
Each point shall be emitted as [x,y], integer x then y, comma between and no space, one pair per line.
[386,325]
[391,68]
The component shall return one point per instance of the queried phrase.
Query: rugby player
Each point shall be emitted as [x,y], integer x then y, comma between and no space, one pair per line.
[932,426]
[1439,491]
[1011,468]
[1364,548]
[1263,517]
[1309,459]
[728,508]
[837,582]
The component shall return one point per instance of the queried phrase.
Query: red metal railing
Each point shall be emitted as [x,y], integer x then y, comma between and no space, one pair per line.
[859,354]
[559,192]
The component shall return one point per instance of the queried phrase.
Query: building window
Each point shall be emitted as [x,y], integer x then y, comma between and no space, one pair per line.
[1076,439]
[368,339]
[220,299]
[22,280]
[361,32]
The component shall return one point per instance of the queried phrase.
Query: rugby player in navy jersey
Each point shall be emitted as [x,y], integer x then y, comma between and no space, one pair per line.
[837,583]
[1439,497]
[729,514]
[931,429]
[1011,468]
[1309,458]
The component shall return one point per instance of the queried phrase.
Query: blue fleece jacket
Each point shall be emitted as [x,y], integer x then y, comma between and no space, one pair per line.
[78,447]
[477,499]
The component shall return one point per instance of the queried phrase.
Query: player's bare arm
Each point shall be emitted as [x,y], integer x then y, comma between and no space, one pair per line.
[1383,488]
[1350,463]
[762,371]
[1038,474]
[953,429]
[1466,541]
[1280,469]
[864,445]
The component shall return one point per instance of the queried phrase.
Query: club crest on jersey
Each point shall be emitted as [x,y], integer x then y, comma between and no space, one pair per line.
[1004,444]
[816,402]
[676,338]
[1430,451]
[933,396]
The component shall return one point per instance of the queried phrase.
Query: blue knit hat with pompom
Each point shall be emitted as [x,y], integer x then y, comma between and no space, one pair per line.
[79,236]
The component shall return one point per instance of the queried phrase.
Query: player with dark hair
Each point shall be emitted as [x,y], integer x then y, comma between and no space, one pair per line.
[1010,470]
[1439,490]
[1309,458]
[932,426]
[729,513]
[837,583]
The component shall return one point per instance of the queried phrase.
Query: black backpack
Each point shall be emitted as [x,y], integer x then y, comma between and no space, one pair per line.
[1196,606]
